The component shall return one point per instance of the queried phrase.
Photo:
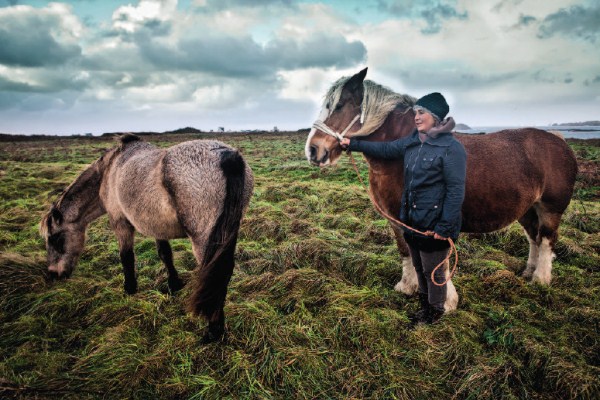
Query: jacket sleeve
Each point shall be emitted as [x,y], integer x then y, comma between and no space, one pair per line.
[386,150]
[455,171]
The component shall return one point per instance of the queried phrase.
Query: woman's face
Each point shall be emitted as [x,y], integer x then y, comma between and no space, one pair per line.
[424,120]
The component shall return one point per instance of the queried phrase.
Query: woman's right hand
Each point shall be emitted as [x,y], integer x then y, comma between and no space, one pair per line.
[345,142]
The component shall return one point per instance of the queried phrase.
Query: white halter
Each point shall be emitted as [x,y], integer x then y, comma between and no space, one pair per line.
[320,125]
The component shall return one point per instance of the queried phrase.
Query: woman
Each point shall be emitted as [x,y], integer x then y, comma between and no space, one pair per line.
[434,189]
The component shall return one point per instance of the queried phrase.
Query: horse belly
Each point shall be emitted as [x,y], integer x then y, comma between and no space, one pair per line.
[158,220]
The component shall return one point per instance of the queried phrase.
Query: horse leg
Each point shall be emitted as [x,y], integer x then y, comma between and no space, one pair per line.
[547,237]
[166,255]
[125,231]
[530,224]
[451,295]
[409,283]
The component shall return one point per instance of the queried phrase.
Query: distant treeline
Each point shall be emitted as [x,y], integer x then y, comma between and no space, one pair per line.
[585,123]
[7,137]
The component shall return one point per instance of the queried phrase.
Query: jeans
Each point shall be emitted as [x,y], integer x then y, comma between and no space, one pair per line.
[424,263]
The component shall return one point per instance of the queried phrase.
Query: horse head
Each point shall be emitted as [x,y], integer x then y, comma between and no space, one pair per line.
[64,243]
[341,106]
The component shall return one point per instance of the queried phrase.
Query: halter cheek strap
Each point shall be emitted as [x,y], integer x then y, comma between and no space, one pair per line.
[320,125]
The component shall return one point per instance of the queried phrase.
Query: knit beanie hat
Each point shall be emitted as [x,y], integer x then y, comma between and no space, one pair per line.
[434,103]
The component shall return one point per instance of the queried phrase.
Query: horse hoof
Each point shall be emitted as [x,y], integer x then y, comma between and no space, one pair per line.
[211,337]
[541,279]
[528,272]
[175,285]
[131,289]
[406,288]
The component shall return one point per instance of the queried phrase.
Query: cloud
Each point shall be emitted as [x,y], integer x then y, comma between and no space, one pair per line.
[432,13]
[575,21]
[228,4]
[524,20]
[225,55]
[320,50]
[37,37]
[504,4]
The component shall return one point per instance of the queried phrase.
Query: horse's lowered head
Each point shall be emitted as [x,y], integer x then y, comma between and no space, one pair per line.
[63,226]
[341,107]
[64,243]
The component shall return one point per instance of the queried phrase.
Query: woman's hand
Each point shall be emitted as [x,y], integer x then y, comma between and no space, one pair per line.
[438,237]
[344,143]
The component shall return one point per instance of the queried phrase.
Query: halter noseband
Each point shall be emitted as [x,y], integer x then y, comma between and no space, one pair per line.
[320,125]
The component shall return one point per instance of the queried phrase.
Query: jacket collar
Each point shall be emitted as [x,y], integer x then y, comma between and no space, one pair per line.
[441,139]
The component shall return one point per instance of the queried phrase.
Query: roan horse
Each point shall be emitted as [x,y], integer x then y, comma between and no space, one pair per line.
[197,189]
[519,174]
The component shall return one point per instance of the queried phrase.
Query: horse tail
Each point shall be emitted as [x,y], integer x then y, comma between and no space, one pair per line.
[214,274]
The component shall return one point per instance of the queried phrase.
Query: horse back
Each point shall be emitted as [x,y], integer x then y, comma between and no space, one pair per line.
[511,170]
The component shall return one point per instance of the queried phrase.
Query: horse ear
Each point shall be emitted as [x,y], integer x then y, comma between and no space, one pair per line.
[355,83]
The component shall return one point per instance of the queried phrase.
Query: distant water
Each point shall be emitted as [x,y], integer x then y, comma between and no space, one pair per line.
[572,132]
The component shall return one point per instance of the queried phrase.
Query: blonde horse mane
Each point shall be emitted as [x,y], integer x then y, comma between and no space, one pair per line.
[378,101]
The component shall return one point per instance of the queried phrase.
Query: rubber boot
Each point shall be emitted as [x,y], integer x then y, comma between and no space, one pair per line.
[434,316]
[421,316]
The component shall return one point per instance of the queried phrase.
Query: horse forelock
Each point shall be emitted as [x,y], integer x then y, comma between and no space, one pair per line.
[377,103]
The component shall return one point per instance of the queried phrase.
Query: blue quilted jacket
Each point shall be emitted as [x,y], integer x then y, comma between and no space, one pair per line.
[434,179]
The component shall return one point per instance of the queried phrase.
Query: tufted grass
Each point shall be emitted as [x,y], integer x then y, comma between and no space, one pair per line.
[311,310]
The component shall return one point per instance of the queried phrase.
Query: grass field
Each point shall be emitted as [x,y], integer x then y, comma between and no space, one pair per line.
[311,310]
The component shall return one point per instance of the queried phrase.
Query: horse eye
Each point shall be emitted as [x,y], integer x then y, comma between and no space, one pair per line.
[339,106]
[57,241]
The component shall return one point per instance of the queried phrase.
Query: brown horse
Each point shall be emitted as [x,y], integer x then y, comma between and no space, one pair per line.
[519,174]
[197,189]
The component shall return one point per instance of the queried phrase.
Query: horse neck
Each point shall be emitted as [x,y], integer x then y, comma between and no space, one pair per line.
[81,203]
[399,123]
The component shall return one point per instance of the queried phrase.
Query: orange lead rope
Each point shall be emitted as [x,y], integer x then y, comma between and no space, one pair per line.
[398,222]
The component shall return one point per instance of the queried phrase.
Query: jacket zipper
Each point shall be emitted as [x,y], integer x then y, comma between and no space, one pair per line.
[412,171]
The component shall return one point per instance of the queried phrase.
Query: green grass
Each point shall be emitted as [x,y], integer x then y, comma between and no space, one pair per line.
[311,310]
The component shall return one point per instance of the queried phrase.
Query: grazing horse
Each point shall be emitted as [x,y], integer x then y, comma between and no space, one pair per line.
[197,189]
[518,174]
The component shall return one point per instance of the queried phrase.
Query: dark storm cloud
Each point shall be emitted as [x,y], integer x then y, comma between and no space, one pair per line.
[576,21]
[243,57]
[319,50]
[27,41]
[434,12]
[11,86]
[220,55]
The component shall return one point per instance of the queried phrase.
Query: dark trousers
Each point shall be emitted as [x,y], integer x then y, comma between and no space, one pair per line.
[424,263]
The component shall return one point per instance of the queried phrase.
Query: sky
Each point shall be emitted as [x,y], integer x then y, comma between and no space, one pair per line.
[95,66]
